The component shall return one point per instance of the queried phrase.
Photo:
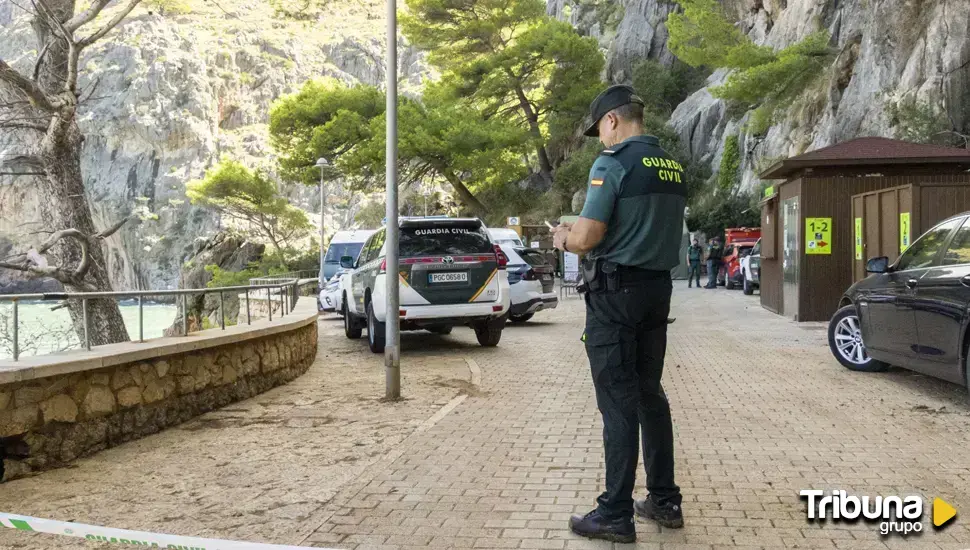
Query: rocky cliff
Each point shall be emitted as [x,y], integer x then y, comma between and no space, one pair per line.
[887,50]
[167,95]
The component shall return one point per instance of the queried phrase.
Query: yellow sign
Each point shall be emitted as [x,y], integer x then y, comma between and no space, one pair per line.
[942,512]
[818,235]
[858,238]
[904,231]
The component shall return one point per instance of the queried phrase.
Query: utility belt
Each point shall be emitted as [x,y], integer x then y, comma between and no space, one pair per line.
[600,275]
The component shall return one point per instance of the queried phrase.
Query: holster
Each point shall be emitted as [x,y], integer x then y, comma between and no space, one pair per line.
[600,275]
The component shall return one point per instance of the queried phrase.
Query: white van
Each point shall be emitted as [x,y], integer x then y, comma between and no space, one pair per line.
[344,243]
[501,235]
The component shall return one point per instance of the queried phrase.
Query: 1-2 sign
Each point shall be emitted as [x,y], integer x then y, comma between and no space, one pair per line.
[818,235]
[820,225]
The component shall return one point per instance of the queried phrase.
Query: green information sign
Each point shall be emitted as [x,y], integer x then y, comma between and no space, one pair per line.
[858,238]
[769,191]
[818,235]
[904,231]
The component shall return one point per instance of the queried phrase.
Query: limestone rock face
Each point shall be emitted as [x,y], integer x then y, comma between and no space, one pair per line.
[166,96]
[886,50]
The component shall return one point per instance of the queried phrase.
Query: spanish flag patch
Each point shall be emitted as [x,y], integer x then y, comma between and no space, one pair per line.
[596,182]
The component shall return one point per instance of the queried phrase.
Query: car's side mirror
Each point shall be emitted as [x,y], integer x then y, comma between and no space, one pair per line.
[877,265]
[347,262]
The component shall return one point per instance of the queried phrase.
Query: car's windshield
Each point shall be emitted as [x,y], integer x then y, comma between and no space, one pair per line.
[338,250]
[429,239]
[534,258]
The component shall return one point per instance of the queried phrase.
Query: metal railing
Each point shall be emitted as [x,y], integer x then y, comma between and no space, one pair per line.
[289,275]
[286,291]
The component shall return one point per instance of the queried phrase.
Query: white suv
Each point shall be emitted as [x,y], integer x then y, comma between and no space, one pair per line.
[531,279]
[450,274]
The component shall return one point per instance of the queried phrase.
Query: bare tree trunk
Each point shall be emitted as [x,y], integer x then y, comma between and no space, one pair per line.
[464,193]
[52,91]
[545,165]
[67,206]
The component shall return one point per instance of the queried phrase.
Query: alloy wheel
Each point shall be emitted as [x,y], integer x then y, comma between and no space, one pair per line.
[848,340]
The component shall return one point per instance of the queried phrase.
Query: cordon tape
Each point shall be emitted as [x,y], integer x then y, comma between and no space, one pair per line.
[95,533]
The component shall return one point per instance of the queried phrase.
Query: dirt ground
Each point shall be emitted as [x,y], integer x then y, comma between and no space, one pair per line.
[279,457]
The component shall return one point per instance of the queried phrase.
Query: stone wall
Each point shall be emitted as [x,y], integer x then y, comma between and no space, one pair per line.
[259,307]
[48,422]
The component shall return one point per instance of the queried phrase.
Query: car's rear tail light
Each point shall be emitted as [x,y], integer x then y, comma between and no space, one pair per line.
[403,313]
[383,266]
[500,257]
[496,308]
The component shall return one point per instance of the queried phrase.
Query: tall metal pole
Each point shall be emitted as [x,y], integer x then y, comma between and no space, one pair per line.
[323,212]
[392,348]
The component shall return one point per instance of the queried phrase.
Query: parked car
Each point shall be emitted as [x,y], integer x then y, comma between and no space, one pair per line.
[330,296]
[343,243]
[531,281]
[732,275]
[451,274]
[751,270]
[912,313]
[503,235]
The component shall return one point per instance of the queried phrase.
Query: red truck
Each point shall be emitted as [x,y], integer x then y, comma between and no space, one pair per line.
[738,242]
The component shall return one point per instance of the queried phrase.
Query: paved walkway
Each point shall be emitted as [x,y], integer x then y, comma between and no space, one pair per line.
[761,410]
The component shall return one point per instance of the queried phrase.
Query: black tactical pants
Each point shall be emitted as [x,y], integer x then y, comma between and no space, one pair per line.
[626,339]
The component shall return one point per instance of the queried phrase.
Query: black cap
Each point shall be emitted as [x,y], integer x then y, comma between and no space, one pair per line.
[609,99]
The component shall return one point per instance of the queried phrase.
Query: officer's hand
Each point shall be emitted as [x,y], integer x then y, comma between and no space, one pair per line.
[564,226]
[559,235]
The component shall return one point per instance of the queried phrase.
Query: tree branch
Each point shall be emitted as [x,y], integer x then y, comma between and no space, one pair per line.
[40,59]
[113,229]
[67,36]
[86,16]
[25,262]
[99,34]
[37,96]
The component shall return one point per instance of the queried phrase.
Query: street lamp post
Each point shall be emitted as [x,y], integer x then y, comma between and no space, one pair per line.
[322,165]
[392,347]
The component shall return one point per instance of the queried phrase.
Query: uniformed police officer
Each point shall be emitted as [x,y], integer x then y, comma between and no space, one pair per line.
[630,233]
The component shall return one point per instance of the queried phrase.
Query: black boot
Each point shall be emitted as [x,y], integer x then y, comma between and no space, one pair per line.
[595,526]
[667,515]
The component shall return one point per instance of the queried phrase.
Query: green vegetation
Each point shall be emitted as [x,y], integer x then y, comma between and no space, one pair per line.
[714,213]
[776,82]
[664,88]
[439,140]
[728,175]
[703,36]
[512,62]
[762,78]
[919,121]
[498,126]
[252,198]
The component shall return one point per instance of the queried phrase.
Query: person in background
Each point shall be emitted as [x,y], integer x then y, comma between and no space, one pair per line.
[715,254]
[694,255]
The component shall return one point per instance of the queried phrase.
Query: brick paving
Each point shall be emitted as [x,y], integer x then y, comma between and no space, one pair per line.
[761,410]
